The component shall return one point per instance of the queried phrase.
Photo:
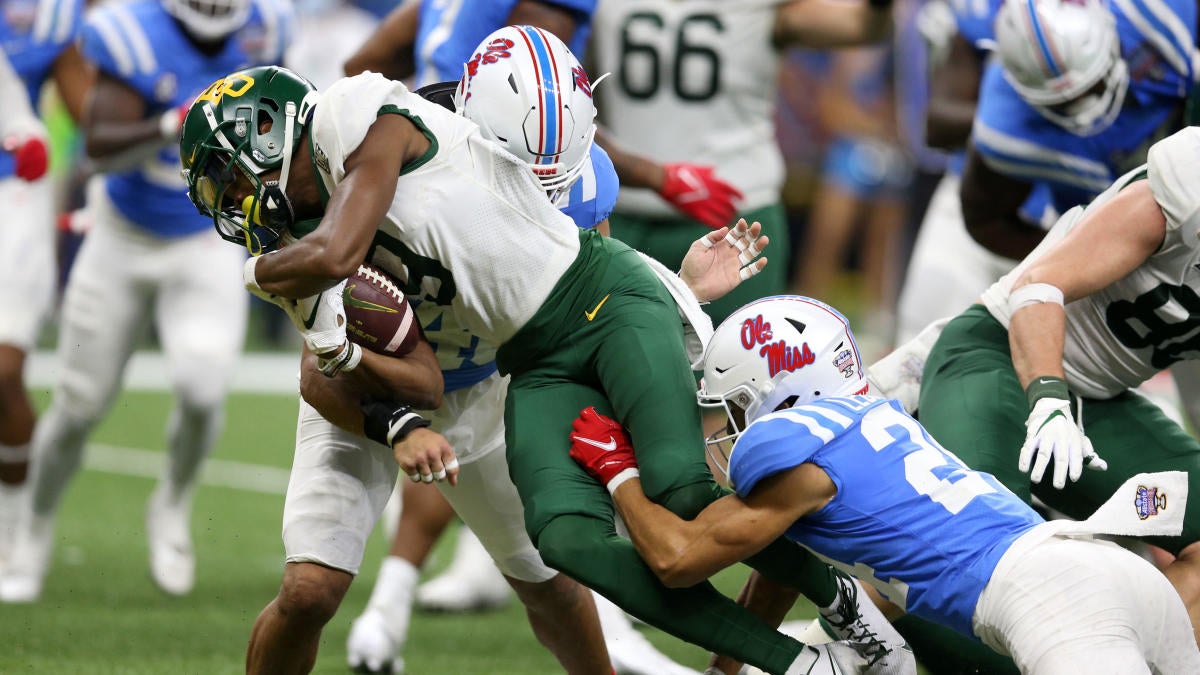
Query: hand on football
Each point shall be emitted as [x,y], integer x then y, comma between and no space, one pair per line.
[601,446]
[694,190]
[720,260]
[426,456]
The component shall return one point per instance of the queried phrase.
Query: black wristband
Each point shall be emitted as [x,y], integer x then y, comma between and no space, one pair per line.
[386,423]
[880,4]
[1046,386]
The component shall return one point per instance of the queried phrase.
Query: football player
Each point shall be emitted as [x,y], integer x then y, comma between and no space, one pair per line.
[148,255]
[856,480]
[1057,344]
[418,191]
[38,45]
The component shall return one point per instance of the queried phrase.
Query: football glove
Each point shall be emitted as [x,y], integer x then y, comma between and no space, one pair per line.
[30,156]
[321,320]
[695,191]
[602,448]
[1050,432]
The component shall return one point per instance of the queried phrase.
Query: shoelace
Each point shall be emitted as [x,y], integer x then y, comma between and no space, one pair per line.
[849,623]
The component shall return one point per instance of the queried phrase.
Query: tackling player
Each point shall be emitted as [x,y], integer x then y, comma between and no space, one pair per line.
[570,310]
[859,482]
[148,254]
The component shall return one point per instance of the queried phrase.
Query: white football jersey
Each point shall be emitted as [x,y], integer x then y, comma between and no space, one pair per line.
[1121,335]
[692,81]
[468,228]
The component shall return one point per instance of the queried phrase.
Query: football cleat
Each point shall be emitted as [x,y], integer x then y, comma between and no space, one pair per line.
[29,561]
[631,653]
[857,621]
[471,582]
[371,647]
[172,563]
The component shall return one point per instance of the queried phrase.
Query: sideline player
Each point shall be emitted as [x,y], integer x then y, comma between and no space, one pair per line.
[148,254]
[38,45]
[523,277]
[859,482]
[1105,302]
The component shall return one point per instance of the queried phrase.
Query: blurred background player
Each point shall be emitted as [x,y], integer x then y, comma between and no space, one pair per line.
[864,185]
[148,254]
[38,46]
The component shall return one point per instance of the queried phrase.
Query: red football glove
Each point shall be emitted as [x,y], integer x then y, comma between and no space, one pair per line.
[29,155]
[171,122]
[694,190]
[602,448]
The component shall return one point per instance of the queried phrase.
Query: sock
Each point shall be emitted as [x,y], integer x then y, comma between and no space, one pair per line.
[393,594]
[945,652]
[12,457]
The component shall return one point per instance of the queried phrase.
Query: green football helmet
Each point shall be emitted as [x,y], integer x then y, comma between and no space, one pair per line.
[246,124]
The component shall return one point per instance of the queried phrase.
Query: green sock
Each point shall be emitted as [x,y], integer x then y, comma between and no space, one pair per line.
[945,652]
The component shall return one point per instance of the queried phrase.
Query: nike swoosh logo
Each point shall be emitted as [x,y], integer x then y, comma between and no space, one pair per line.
[312,316]
[1045,380]
[607,447]
[720,370]
[350,301]
[592,314]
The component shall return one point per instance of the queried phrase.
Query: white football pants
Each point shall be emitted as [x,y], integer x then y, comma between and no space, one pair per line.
[27,265]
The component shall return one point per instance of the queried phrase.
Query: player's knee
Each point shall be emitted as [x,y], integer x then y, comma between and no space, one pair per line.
[200,395]
[526,566]
[311,595]
[569,543]
[688,501]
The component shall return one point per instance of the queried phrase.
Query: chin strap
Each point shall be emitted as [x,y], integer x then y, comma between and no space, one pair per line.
[289,125]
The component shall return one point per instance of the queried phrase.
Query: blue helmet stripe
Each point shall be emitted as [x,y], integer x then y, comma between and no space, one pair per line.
[1047,55]
[541,52]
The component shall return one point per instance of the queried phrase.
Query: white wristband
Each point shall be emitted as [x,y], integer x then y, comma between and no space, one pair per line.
[621,477]
[168,125]
[248,278]
[1032,294]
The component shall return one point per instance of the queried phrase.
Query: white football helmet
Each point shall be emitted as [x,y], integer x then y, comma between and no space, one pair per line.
[1064,58]
[782,349]
[209,19]
[528,92]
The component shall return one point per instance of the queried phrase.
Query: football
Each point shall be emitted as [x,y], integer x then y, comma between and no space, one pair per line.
[378,316]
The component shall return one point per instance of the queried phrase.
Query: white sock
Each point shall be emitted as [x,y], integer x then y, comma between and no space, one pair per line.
[393,594]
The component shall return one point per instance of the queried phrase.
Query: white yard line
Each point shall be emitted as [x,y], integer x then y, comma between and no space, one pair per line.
[216,472]
[256,372]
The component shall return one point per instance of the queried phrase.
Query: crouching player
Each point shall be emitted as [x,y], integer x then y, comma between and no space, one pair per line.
[861,484]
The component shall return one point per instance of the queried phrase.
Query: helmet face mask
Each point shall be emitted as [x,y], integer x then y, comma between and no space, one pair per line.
[209,19]
[775,353]
[239,130]
[1064,58]
[528,93]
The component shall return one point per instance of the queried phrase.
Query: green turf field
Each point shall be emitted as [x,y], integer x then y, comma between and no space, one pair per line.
[100,613]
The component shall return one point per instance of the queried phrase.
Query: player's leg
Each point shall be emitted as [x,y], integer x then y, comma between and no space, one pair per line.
[27,285]
[570,519]
[104,310]
[1133,435]
[338,487]
[200,315]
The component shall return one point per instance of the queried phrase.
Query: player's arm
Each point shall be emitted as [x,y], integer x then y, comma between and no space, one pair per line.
[389,50]
[991,205]
[358,204]
[117,132]
[953,93]
[685,552]
[414,379]
[832,23]
[1110,241]
[73,77]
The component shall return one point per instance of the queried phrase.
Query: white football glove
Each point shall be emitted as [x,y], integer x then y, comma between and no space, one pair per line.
[1050,432]
[321,320]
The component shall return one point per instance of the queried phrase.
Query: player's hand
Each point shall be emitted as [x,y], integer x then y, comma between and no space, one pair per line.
[321,320]
[720,260]
[694,190]
[30,156]
[425,456]
[1051,433]
[170,125]
[602,448]
[831,658]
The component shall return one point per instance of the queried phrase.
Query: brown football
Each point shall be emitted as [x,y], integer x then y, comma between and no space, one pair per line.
[378,316]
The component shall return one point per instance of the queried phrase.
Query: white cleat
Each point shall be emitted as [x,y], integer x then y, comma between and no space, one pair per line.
[631,653]
[11,500]
[371,647]
[29,561]
[856,620]
[172,563]
[471,582]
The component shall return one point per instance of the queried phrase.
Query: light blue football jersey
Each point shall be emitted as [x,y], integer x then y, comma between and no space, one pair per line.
[33,34]
[1157,38]
[909,518]
[448,32]
[976,21]
[142,45]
